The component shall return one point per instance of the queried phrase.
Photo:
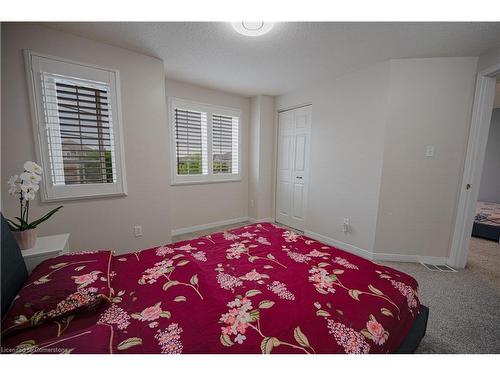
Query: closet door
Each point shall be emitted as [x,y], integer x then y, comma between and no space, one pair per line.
[294,127]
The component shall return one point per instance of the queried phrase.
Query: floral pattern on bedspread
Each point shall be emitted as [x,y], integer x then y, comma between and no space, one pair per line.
[59,287]
[255,289]
[488,213]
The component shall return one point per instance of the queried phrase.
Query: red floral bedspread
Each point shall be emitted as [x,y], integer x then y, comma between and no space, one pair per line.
[256,289]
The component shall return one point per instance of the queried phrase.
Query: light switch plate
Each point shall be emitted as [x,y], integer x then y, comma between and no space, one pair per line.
[429,151]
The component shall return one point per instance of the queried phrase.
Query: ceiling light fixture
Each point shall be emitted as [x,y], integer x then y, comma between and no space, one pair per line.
[253,28]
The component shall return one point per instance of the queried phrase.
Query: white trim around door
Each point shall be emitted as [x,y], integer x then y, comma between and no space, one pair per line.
[476,148]
[292,166]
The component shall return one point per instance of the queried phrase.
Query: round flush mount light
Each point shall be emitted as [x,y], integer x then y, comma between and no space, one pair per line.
[253,28]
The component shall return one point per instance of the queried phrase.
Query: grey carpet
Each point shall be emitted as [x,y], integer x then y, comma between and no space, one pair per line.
[464,306]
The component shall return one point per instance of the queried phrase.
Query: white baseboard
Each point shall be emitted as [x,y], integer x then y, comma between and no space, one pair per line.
[409,258]
[265,220]
[195,228]
[341,245]
[376,256]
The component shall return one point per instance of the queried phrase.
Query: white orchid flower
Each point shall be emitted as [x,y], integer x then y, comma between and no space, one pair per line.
[33,167]
[13,180]
[14,186]
[26,187]
[29,190]
[30,177]
[29,195]
[14,190]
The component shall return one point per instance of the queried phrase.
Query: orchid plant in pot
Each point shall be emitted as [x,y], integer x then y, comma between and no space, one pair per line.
[24,188]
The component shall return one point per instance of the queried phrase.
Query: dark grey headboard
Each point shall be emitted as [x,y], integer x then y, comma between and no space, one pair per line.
[14,272]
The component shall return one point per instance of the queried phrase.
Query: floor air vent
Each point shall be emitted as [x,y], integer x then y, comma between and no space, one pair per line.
[438,267]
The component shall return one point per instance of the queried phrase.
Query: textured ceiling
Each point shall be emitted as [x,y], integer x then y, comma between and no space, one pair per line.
[291,56]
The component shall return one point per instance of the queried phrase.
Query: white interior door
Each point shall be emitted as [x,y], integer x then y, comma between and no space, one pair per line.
[294,128]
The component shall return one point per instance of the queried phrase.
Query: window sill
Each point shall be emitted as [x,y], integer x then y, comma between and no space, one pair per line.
[45,199]
[183,183]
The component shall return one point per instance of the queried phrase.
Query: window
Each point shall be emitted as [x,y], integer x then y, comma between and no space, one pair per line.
[224,144]
[200,130]
[191,142]
[77,128]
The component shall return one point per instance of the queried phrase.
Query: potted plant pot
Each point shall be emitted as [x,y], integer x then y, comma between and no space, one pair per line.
[26,239]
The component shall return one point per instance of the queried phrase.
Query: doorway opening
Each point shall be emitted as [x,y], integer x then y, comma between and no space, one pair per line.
[485,241]
[484,103]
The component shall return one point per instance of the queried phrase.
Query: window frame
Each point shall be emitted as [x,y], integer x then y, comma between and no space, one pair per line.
[210,109]
[78,70]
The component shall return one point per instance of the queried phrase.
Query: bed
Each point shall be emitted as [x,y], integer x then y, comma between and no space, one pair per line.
[487,221]
[256,289]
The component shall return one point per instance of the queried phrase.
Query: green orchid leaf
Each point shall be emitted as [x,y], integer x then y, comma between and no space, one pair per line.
[45,217]
[21,220]
[12,225]
[23,224]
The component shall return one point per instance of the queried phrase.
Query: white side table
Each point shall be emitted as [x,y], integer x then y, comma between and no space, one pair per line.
[45,248]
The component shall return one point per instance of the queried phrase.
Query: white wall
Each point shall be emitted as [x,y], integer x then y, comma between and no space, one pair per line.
[489,190]
[347,135]
[95,223]
[254,159]
[430,104]
[267,158]
[193,205]
[368,139]
[488,58]
[261,163]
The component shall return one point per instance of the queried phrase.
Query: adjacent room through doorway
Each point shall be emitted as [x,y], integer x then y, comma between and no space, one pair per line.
[484,245]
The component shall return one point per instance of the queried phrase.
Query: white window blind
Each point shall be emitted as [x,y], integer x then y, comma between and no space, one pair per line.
[76,108]
[224,144]
[191,142]
[79,131]
[200,130]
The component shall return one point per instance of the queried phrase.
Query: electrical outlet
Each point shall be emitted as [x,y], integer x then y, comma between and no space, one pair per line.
[251,203]
[346,227]
[138,231]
